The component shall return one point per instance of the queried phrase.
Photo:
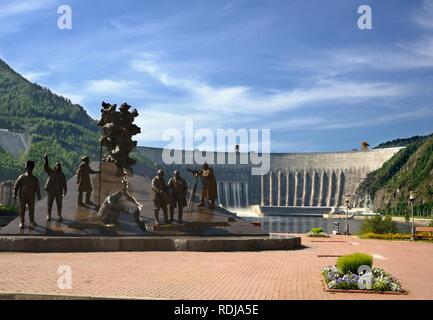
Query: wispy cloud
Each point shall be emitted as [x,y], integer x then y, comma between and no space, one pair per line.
[381,120]
[244,99]
[16,7]
[423,16]
[35,76]
[108,86]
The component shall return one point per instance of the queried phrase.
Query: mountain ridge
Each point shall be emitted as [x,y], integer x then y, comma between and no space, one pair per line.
[411,169]
[52,123]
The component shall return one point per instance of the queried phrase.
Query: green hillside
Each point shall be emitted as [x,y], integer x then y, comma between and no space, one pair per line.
[53,124]
[410,169]
[402,142]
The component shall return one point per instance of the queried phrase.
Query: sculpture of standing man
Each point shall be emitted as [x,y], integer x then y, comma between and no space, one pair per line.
[209,191]
[160,196]
[83,180]
[27,188]
[178,189]
[56,188]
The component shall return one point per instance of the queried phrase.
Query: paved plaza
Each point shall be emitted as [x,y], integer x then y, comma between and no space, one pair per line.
[200,275]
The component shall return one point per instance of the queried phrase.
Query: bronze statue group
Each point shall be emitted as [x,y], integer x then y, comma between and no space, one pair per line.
[117,128]
[166,197]
[173,195]
[26,189]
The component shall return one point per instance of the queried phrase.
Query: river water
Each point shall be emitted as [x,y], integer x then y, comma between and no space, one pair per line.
[300,224]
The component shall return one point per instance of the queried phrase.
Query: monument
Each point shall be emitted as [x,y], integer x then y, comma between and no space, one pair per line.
[118,129]
[120,214]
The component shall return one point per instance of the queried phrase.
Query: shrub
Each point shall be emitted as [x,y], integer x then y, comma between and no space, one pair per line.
[316,230]
[351,263]
[8,210]
[378,224]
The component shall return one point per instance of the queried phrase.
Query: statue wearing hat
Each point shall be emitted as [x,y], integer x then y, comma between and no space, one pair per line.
[56,188]
[178,189]
[83,180]
[27,188]
[209,190]
[160,196]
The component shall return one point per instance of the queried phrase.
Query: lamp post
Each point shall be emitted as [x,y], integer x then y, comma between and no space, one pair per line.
[347,216]
[412,198]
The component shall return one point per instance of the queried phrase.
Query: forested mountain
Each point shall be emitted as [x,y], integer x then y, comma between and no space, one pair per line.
[402,142]
[411,169]
[52,124]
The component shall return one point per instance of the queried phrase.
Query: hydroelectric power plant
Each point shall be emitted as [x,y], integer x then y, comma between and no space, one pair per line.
[310,183]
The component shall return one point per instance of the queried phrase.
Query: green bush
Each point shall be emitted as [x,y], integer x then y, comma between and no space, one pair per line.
[351,263]
[7,210]
[378,224]
[316,230]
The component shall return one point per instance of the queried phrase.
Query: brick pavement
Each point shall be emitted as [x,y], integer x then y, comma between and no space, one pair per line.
[196,275]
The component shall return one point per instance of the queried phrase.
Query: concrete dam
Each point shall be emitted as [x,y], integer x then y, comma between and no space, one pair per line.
[308,180]
[13,143]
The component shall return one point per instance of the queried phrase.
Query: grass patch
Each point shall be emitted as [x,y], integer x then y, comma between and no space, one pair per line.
[351,263]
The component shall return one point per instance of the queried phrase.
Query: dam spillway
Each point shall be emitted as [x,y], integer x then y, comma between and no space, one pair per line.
[321,179]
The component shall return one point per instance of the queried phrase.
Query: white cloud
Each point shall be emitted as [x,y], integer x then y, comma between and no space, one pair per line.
[15,7]
[381,120]
[75,98]
[216,107]
[34,76]
[243,99]
[107,86]
[424,15]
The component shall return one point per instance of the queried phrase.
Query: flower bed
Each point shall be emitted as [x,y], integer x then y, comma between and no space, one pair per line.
[317,233]
[380,280]
[396,236]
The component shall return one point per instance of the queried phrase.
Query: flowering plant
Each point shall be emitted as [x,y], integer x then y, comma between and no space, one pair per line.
[379,280]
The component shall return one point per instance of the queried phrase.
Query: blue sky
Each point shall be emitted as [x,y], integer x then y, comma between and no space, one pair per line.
[301,68]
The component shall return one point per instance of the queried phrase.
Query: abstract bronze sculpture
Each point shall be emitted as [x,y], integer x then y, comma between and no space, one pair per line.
[117,131]
[114,205]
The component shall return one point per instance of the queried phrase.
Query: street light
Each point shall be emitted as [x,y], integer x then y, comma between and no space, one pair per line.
[347,215]
[412,198]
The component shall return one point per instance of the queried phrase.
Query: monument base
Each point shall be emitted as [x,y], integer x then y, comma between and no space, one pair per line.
[167,243]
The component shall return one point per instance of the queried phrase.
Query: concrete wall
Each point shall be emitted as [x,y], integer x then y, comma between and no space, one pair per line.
[6,193]
[13,143]
[295,179]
